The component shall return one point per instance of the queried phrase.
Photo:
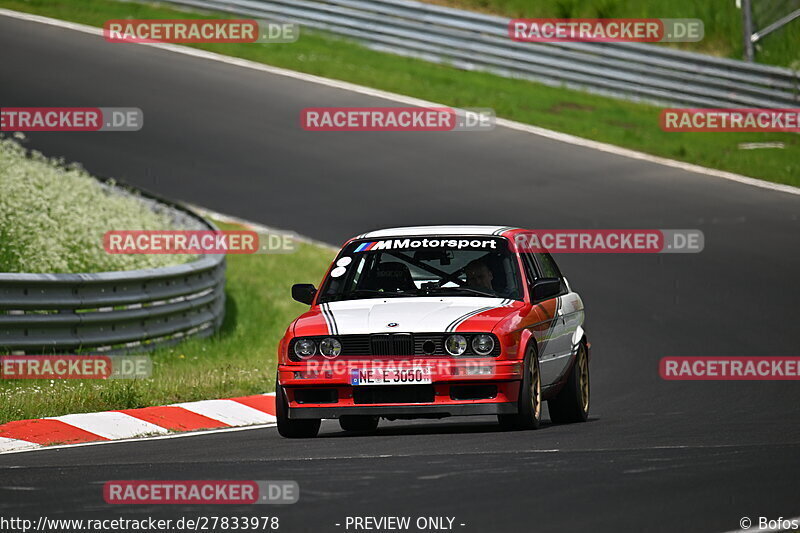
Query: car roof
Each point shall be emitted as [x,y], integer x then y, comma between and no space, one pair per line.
[435,231]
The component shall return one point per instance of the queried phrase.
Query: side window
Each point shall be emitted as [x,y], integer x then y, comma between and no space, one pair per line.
[547,266]
[549,269]
[530,269]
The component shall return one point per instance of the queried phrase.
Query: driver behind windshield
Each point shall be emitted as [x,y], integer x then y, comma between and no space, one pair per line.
[479,276]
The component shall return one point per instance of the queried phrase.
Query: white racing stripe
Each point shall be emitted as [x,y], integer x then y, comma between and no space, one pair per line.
[111,425]
[228,411]
[527,128]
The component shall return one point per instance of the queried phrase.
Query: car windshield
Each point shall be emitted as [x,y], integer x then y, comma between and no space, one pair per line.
[424,266]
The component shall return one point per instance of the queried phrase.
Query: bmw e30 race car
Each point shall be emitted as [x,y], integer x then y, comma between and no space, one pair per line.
[429,322]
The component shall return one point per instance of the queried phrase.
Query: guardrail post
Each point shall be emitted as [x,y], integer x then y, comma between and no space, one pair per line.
[747,29]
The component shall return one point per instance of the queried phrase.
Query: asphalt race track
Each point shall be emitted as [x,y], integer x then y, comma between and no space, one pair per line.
[655,456]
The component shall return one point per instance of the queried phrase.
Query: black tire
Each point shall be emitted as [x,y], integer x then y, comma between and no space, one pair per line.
[358,422]
[572,402]
[289,428]
[529,410]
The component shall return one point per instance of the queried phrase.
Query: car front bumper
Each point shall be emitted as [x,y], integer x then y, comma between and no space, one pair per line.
[323,389]
[406,410]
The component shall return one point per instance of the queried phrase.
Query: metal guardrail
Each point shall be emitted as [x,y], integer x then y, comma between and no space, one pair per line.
[475,41]
[114,312]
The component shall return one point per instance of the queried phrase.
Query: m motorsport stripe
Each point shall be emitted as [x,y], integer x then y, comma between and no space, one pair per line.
[463,318]
[333,329]
[365,246]
[455,323]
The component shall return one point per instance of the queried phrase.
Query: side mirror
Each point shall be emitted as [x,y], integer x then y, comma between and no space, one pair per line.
[303,293]
[546,288]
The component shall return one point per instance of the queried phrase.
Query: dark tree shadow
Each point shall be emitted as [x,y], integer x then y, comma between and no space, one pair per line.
[231,315]
[443,428]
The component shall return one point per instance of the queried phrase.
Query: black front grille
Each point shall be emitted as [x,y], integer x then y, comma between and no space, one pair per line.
[355,344]
[393,394]
[473,392]
[423,343]
[394,344]
[316,396]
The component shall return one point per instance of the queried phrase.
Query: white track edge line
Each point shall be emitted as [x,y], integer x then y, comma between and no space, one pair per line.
[535,130]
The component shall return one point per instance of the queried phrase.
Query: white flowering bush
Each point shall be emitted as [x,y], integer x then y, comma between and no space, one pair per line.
[53,217]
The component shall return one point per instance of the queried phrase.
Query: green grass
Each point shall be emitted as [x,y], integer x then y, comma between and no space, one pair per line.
[603,119]
[53,217]
[239,360]
[721,18]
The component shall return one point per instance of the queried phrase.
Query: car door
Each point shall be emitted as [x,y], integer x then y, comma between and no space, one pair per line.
[568,316]
[548,332]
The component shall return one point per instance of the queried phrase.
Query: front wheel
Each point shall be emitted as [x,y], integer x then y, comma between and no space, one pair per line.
[572,402]
[290,428]
[529,409]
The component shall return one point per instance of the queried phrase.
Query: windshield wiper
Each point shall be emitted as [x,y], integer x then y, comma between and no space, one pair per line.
[467,289]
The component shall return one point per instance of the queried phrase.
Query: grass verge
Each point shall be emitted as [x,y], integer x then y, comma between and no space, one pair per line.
[617,122]
[239,360]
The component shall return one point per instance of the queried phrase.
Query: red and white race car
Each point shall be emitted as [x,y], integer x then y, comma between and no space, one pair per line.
[435,321]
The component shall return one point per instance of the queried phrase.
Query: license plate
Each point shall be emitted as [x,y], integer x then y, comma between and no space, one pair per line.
[390,376]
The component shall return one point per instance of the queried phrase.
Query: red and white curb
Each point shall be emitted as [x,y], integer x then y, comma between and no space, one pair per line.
[23,435]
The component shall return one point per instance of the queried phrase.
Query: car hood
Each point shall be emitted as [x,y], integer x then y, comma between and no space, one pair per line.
[416,315]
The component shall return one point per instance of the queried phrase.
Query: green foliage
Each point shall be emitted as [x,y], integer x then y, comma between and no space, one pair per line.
[53,217]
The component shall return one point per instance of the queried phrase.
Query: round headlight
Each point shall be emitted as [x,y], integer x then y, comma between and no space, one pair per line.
[304,348]
[330,347]
[483,344]
[455,344]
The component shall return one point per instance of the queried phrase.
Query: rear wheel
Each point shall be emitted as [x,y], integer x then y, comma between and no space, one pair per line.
[358,422]
[290,428]
[529,409]
[572,402]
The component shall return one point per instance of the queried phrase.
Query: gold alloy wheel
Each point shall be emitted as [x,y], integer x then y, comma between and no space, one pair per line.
[583,378]
[536,389]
